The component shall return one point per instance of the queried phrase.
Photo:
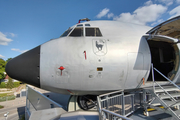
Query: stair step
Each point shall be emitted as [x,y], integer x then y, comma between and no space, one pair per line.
[167,96]
[177,112]
[168,102]
[167,89]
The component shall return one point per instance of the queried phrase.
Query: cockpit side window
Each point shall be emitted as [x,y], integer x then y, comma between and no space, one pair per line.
[66,32]
[93,32]
[77,32]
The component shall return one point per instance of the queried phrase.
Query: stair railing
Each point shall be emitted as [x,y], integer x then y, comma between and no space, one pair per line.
[167,78]
[154,82]
[112,106]
[172,98]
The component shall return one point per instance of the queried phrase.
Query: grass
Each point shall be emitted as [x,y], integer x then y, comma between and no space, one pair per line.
[6,98]
[22,117]
[6,94]
[4,90]
[1,106]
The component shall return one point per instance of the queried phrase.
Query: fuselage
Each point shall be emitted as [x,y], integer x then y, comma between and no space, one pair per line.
[92,57]
[117,59]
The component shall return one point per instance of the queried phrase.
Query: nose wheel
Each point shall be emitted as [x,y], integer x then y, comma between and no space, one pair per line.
[87,102]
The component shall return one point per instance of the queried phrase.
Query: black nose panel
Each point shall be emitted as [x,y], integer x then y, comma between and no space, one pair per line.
[25,67]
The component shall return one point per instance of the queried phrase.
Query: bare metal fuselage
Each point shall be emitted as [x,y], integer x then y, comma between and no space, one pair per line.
[120,58]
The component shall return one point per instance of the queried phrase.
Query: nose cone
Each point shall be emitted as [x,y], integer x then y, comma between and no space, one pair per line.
[25,67]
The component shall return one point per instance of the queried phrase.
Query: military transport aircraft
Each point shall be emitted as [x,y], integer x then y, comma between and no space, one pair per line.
[95,57]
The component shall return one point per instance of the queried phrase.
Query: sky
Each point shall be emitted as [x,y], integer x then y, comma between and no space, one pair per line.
[25,24]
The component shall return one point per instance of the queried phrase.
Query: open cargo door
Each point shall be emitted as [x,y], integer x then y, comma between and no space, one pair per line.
[163,40]
[170,28]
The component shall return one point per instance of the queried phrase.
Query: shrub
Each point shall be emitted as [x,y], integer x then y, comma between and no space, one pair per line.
[2,85]
[12,97]
[10,83]
[1,106]
[17,84]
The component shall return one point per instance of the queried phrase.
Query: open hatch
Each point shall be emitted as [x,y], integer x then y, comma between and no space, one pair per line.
[162,41]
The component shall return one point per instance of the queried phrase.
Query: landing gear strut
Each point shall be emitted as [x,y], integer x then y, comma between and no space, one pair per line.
[87,102]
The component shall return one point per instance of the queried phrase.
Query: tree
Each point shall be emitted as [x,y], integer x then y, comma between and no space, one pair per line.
[2,69]
[8,60]
[10,83]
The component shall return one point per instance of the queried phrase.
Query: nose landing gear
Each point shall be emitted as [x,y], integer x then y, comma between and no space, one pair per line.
[87,102]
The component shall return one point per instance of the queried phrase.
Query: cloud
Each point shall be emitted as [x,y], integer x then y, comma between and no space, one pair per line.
[175,12]
[142,15]
[1,56]
[4,40]
[157,22]
[148,3]
[18,50]
[12,35]
[167,2]
[178,1]
[110,15]
[103,13]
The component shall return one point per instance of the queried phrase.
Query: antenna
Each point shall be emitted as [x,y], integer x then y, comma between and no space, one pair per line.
[84,19]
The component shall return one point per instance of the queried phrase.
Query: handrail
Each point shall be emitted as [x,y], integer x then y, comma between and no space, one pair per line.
[153,77]
[99,106]
[110,93]
[106,98]
[165,91]
[154,82]
[117,115]
[167,78]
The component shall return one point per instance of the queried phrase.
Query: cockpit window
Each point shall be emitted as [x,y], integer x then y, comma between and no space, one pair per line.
[87,25]
[66,32]
[93,32]
[79,25]
[77,32]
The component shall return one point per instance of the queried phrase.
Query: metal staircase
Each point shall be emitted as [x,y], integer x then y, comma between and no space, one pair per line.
[168,97]
[116,106]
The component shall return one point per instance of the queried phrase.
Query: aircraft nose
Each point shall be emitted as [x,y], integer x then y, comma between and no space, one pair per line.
[25,67]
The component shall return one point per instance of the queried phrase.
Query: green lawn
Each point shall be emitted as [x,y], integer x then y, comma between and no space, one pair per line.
[1,106]
[7,96]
